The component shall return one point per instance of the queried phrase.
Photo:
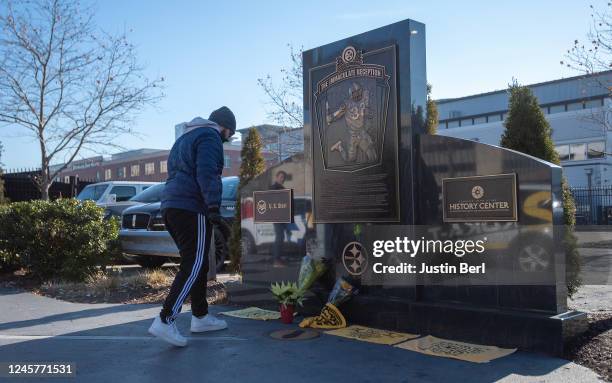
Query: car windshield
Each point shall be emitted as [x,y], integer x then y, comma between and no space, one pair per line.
[150,194]
[229,188]
[92,192]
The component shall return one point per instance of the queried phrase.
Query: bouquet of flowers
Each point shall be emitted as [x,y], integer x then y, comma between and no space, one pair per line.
[343,291]
[310,271]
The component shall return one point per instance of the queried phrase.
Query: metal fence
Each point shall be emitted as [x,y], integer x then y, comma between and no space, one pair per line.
[20,186]
[593,205]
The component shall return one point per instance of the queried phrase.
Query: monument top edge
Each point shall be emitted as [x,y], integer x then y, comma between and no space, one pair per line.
[409,24]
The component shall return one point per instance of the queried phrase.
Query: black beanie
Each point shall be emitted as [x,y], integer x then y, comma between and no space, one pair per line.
[224,117]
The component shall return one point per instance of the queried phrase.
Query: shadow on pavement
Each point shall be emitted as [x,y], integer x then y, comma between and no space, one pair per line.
[244,353]
[70,316]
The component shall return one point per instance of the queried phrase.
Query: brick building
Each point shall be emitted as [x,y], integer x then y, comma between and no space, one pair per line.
[141,165]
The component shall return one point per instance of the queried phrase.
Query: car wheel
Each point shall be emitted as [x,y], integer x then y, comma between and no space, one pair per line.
[221,249]
[533,258]
[247,244]
[151,262]
[310,244]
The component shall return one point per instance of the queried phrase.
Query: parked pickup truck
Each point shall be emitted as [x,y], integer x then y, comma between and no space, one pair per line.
[114,196]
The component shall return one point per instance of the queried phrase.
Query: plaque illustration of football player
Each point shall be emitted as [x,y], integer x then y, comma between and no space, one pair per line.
[355,110]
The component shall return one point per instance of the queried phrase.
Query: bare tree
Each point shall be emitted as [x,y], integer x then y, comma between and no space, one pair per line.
[285,102]
[594,55]
[70,85]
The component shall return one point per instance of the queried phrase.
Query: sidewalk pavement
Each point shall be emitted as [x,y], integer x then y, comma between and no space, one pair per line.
[109,342]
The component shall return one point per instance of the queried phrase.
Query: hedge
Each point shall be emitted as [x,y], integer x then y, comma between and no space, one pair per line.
[63,239]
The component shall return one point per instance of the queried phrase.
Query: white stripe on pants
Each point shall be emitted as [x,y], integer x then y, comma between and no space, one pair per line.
[196,266]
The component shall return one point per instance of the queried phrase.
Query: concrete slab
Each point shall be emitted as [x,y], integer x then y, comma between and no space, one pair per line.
[110,343]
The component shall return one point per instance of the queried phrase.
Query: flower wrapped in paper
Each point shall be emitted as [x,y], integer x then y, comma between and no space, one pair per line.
[343,291]
[310,270]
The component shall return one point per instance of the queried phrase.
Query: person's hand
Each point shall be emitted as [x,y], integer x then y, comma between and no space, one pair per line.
[216,219]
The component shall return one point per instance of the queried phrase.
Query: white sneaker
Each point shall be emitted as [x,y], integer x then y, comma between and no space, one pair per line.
[207,323]
[167,332]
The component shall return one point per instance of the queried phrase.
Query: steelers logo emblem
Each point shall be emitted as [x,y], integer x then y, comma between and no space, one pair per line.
[477,192]
[355,258]
[348,54]
[261,206]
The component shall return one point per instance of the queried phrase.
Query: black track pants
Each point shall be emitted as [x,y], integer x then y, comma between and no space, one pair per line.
[191,233]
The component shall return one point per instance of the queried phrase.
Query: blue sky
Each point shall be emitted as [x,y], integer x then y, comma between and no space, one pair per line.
[212,53]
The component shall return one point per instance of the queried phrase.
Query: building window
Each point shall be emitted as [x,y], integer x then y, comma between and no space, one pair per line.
[596,149]
[577,152]
[466,122]
[575,106]
[272,147]
[163,166]
[556,108]
[563,151]
[108,174]
[97,175]
[134,170]
[227,161]
[121,172]
[149,168]
[453,124]
[480,120]
[66,179]
[494,118]
[593,103]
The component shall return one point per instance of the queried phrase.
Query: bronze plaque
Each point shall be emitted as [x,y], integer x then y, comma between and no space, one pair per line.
[354,144]
[273,206]
[480,198]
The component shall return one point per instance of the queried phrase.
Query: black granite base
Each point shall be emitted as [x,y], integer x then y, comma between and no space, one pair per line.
[531,331]
[528,331]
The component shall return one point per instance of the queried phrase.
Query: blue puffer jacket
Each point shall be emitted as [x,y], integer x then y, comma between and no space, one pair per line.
[195,165]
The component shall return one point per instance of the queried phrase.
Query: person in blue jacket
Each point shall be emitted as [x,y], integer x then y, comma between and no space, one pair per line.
[190,208]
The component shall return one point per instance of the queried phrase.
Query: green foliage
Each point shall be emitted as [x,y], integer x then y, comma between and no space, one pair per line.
[252,165]
[431,120]
[570,242]
[235,245]
[569,207]
[527,131]
[253,162]
[287,293]
[63,239]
